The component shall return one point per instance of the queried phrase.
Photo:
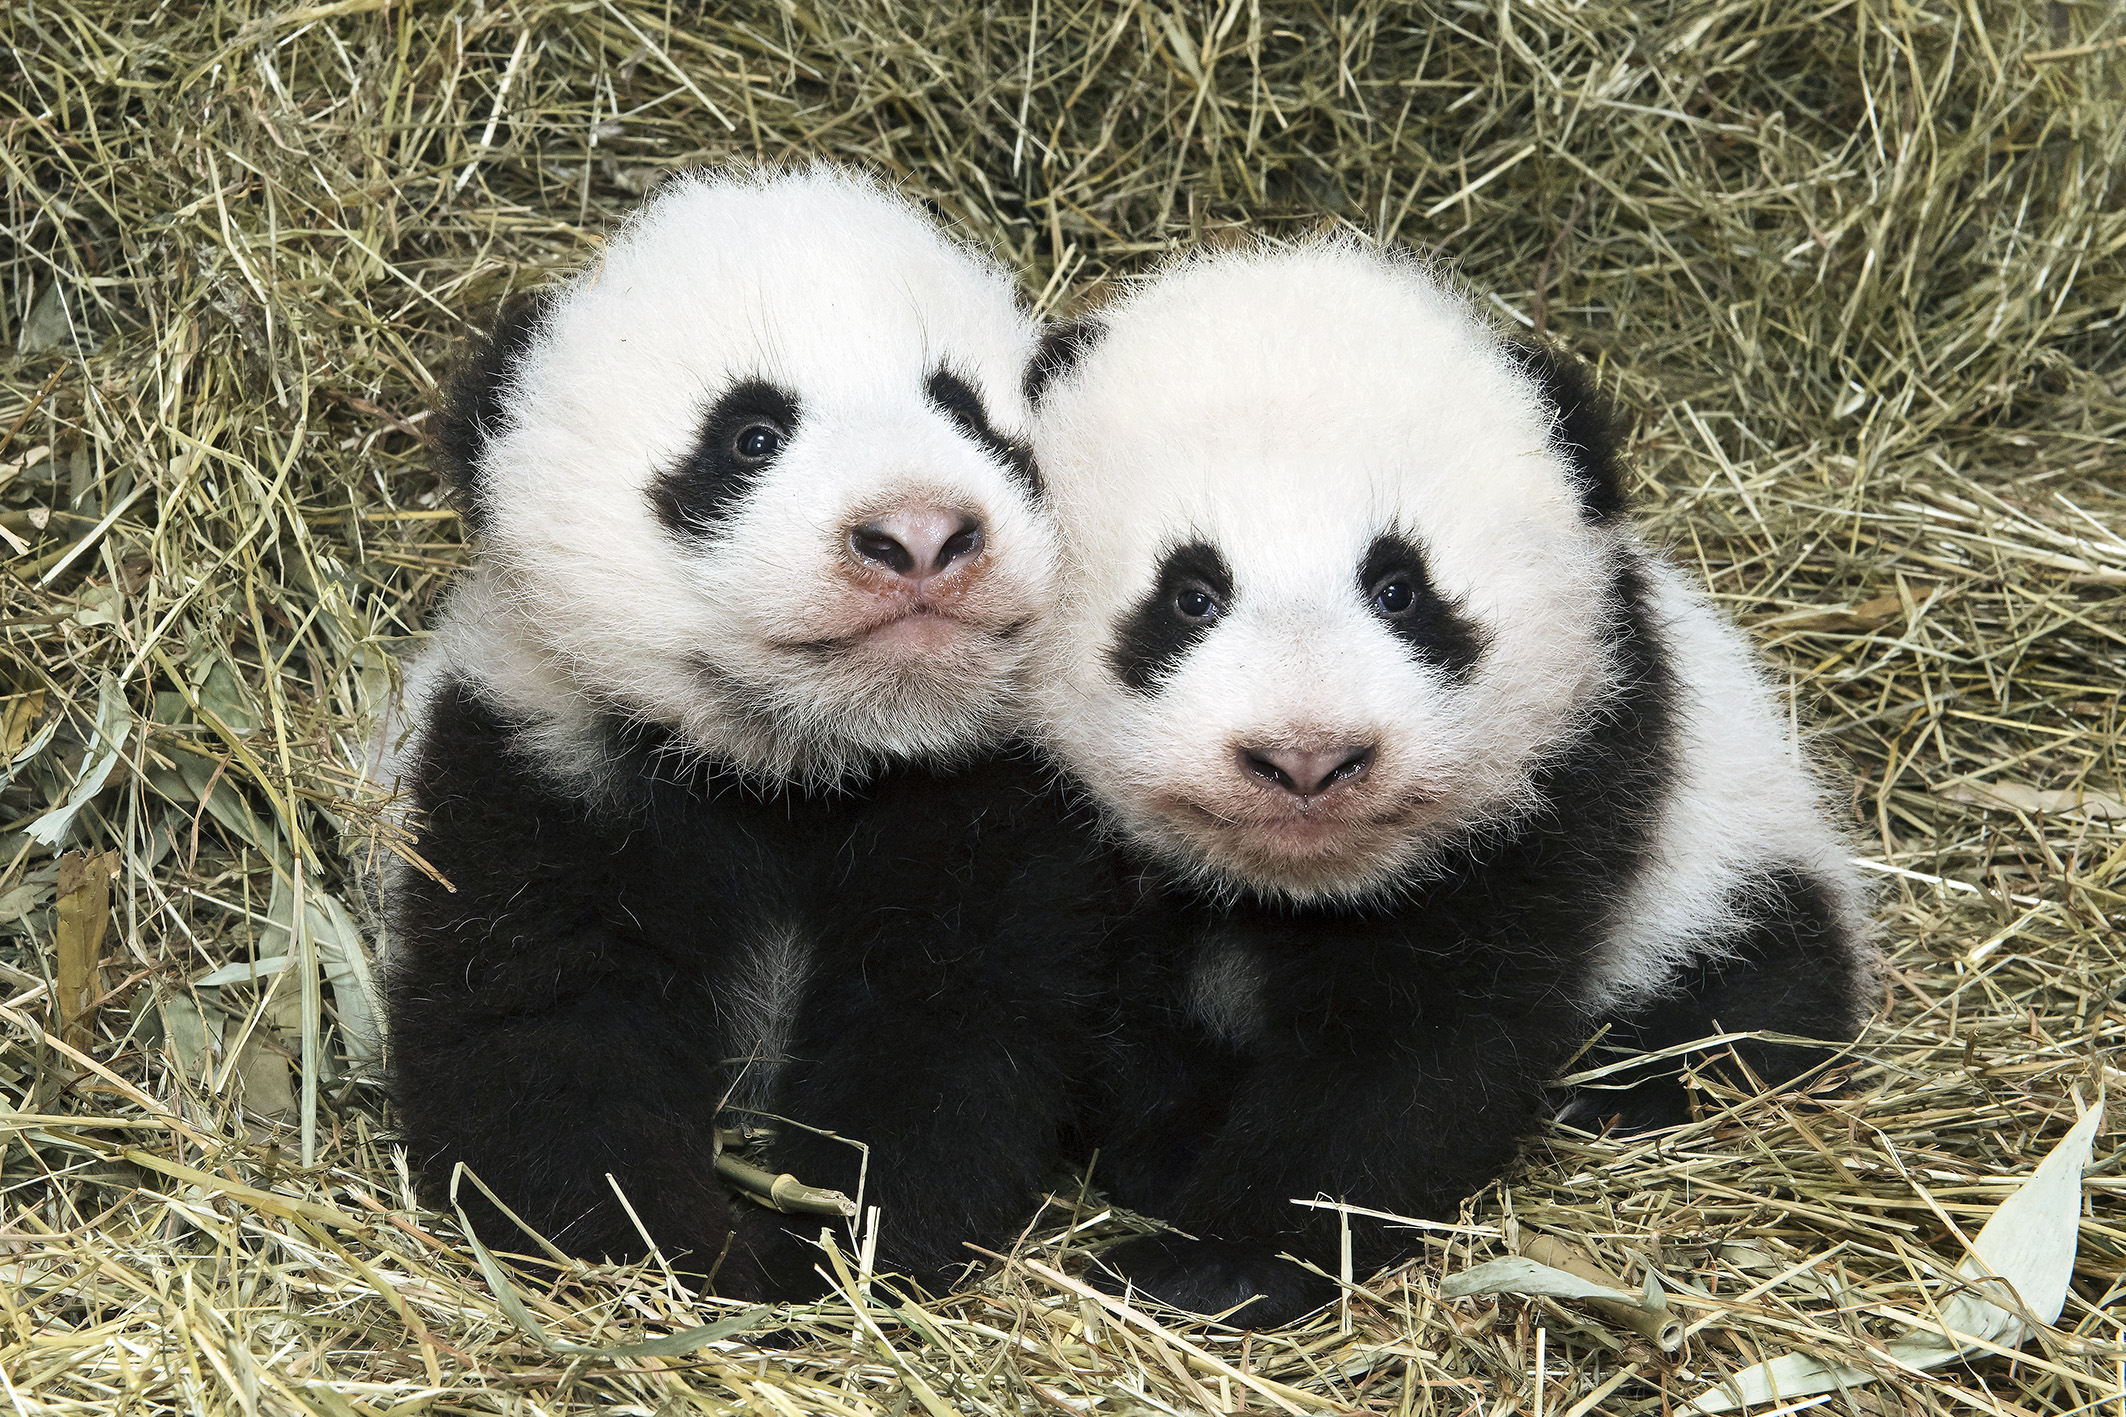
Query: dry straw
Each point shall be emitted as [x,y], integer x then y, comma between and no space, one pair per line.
[1858,269]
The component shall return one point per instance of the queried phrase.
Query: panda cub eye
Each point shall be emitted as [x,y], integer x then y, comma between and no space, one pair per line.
[1394,596]
[757,442]
[1196,603]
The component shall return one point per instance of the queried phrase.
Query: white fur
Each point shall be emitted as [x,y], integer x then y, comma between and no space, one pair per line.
[760,1001]
[584,604]
[1287,407]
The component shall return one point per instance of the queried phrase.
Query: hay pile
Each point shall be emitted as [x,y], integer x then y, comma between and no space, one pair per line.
[1858,270]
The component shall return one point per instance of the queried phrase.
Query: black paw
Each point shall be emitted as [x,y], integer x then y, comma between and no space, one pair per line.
[1650,1106]
[772,1259]
[1213,1276]
[778,1336]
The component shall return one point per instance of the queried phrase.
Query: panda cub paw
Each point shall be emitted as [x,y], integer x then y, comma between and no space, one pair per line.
[1212,1277]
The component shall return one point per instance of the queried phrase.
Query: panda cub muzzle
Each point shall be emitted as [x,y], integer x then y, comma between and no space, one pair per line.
[919,570]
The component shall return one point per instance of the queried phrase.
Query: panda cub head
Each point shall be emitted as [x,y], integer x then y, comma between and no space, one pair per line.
[758,476]
[1340,565]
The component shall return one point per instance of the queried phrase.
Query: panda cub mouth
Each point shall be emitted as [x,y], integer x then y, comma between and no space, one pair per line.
[1320,848]
[919,630]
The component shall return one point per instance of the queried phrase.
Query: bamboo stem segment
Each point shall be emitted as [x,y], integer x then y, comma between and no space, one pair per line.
[785,1192]
[1660,1326]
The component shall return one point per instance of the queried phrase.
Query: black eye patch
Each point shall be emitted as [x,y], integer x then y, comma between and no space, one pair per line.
[1393,583]
[956,399]
[1062,346]
[742,434]
[1194,591]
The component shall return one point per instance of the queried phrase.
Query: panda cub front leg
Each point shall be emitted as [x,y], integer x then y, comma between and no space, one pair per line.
[1788,965]
[1356,1084]
[547,1016]
[759,547]
[945,1018]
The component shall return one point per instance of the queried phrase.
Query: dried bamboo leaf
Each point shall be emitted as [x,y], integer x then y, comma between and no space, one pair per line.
[2023,1257]
[84,884]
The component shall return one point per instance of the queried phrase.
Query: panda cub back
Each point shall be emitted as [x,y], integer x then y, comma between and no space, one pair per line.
[712,746]
[1440,768]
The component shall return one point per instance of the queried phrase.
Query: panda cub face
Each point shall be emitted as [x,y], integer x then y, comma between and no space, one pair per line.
[1337,588]
[760,476]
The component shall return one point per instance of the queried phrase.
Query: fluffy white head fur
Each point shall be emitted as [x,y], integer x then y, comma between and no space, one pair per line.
[1287,408]
[760,634]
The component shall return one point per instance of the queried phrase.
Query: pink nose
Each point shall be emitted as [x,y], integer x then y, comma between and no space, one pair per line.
[916,543]
[1305,772]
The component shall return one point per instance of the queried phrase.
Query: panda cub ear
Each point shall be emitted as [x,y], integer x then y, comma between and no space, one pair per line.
[1061,347]
[471,411]
[1587,431]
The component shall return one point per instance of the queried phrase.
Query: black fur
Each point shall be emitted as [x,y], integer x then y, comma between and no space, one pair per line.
[1790,972]
[472,409]
[1402,1051]
[692,498]
[1156,634]
[1061,347]
[1431,625]
[1586,431]
[958,401]
[567,1012]
[1211,1277]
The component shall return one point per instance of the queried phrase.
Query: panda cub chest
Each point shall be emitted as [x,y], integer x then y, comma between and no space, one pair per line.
[1252,979]
[1226,988]
[761,999]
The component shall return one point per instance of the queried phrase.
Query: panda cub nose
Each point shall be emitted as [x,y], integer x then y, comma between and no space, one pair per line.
[1306,772]
[916,543]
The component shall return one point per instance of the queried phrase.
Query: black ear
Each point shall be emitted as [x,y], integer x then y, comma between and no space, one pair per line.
[1587,431]
[1062,346]
[472,407]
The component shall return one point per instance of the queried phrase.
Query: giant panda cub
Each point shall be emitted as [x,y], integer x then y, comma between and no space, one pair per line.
[1436,766]
[709,748]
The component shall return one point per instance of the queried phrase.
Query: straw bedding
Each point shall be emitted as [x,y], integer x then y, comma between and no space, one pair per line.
[1857,269]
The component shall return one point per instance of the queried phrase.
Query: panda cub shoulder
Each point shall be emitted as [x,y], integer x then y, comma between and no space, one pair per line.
[712,746]
[1440,768]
